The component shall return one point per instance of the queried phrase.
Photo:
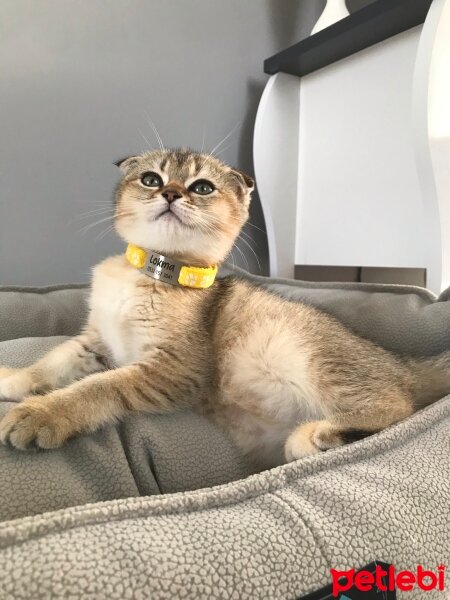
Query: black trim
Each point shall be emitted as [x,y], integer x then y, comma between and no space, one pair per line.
[372,24]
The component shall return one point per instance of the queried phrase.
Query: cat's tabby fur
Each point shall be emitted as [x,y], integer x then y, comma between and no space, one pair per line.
[284,379]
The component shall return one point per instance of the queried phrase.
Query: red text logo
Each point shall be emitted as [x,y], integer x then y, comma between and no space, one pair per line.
[388,580]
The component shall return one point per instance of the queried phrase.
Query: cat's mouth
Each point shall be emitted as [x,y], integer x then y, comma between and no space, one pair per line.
[168,216]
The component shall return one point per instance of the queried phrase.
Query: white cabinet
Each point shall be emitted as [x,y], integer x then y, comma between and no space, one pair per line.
[349,169]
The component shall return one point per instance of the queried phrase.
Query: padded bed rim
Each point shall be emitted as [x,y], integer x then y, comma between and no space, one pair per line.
[363,287]
[38,526]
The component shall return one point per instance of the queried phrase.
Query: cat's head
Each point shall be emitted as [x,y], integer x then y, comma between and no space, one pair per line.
[183,204]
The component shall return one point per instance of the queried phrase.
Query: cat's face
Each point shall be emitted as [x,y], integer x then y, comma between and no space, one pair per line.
[182,204]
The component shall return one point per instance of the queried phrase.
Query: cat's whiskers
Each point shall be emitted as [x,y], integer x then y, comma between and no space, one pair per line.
[255,226]
[253,252]
[242,232]
[89,226]
[246,243]
[203,141]
[244,258]
[249,223]
[217,146]
[246,223]
[223,150]
[102,234]
[232,258]
[146,140]
[92,213]
[90,202]
[155,131]
[205,223]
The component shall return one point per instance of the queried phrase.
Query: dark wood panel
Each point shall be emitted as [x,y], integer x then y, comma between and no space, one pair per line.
[372,24]
[321,273]
[394,275]
[397,275]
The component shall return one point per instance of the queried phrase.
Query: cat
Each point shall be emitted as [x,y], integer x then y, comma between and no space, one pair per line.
[284,379]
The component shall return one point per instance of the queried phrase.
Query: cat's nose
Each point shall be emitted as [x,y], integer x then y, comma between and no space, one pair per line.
[170,194]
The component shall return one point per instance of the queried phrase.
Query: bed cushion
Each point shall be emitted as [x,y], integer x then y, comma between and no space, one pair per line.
[404,319]
[274,534]
[46,311]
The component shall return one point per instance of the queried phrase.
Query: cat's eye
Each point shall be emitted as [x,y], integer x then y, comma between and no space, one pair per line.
[151,179]
[202,187]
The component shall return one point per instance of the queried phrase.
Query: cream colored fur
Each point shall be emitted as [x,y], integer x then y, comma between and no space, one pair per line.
[282,378]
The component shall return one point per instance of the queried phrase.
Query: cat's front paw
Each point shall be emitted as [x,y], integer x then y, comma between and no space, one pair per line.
[15,383]
[37,421]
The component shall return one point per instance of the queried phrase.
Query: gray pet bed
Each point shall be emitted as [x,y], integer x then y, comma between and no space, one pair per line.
[165,507]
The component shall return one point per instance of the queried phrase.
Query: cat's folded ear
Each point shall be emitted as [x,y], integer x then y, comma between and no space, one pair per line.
[128,163]
[245,180]
[245,185]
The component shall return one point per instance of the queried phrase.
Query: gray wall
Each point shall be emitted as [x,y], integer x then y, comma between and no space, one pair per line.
[78,79]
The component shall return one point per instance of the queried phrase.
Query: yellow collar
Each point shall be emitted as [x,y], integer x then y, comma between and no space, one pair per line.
[169,270]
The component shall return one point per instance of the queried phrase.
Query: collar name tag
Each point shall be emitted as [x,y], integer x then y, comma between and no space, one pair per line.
[167,269]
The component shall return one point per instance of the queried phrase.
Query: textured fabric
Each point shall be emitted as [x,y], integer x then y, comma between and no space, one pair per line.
[270,535]
[22,352]
[142,455]
[273,535]
[47,311]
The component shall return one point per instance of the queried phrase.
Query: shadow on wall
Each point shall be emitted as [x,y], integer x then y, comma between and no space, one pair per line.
[251,247]
[304,15]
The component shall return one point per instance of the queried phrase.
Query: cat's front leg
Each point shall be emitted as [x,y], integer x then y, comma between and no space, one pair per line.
[48,421]
[69,361]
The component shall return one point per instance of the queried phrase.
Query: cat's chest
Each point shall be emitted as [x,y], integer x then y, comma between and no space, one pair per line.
[124,313]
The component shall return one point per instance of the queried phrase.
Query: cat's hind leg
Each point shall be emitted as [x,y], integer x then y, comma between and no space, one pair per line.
[318,436]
